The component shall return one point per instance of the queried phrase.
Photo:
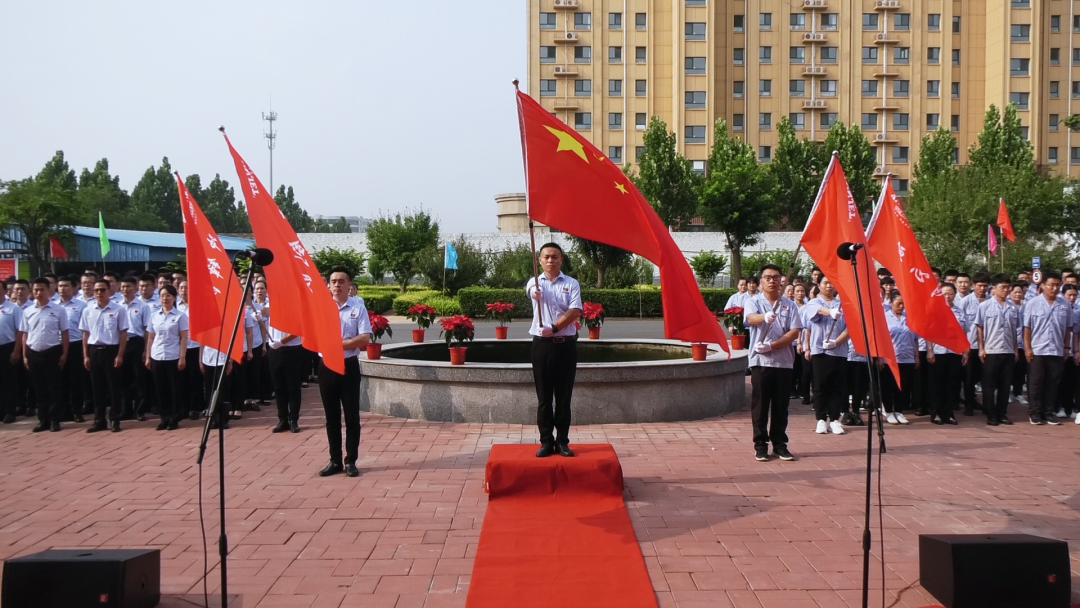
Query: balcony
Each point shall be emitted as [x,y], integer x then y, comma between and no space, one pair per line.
[815,5]
[886,38]
[883,73]
[886,138]
[566,38]
[886,106]
[814,70]
[814,38]
[813,104]
[566,104]
[567,5]
[886,5]
[566,71]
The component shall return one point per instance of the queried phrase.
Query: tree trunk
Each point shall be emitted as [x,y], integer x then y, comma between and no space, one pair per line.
[736,263]
[600,272]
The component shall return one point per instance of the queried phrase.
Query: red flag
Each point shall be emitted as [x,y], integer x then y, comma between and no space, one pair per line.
[574,188]
[835,220]
[991,240]
[1005,223]
[892,243]
[214,294]
[301,304]
[56,249]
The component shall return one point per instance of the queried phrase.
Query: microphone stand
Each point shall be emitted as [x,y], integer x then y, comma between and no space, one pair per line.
[215,399]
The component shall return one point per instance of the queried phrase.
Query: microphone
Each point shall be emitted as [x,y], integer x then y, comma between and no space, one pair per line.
[846,251]
[260,256]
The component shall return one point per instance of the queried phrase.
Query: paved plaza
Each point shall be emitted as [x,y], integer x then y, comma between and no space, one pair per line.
[716,527]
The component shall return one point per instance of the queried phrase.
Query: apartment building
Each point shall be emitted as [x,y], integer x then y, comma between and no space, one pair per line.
[896,68]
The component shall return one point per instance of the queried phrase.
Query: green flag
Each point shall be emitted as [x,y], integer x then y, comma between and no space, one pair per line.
[105,247]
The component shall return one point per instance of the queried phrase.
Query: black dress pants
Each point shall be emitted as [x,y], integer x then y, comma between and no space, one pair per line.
[341,394]
[1067,387]
[10,394]
[1019,374]
[806,382]
[554,367]
[192,383]
[830,391]
[945,378]
[106,378]
[972,376]
[770,392]
[46,375]
[1044,377]
[858,384]
[132,380]
[997,374]
[210,379]
[167,382]
[288,371]
[253,375]
[74,375]
[897,398]
[922,385]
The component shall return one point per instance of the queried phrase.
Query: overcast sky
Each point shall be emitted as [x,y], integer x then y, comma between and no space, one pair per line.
[382,106]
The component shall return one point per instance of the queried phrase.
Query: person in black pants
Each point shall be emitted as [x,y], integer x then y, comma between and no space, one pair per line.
[104,326]
[341,392]
[556,303]
[946,367]
[166,357]
[132,374]
[1016,296]
[213,363]
[997,321]
[287,357]
[10,355]
[1048,327]
[74,374]
[191,382]
[44,332]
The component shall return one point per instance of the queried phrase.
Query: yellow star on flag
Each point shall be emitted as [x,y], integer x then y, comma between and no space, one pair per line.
[621,188]
[568,143]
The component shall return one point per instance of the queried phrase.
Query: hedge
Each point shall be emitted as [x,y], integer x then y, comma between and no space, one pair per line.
[377,302]
[444,305]
[474,301]
[403,302]
[644,300]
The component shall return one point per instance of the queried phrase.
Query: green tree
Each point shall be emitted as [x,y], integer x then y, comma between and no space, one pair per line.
[338,226]
[157,195]
[99,191]
[737,195]
[665,178]
[330,257]
[218,202]
[471,272]
[601,256]
[706,266]
[57,174]
[859,160]
[510,269]
[936,156]
[1001,143]
[298,218]
[797,166]
[40,209]
[396,242]
[377,270]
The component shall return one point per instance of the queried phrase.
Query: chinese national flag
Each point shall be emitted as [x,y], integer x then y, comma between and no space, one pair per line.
[835,220]
[301,303]
[56,250]
[1004,222]
[574,188]
[214,294]
[892,243]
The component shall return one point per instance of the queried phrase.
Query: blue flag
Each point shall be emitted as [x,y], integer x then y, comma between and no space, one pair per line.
[451,258]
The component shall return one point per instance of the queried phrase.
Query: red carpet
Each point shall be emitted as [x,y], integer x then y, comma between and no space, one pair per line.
[557,533]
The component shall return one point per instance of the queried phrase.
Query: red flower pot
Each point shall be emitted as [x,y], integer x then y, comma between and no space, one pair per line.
[374,352]
[700,351]
[501,332]
[457,356]
[738,342]
[594,333]
[418,335]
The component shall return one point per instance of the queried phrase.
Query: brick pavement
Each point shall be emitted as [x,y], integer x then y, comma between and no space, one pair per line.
[717,528]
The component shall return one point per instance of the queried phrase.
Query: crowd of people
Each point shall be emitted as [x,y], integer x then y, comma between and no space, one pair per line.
[1020,334]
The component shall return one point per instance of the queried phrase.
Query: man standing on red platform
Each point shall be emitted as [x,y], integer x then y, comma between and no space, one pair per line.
[554,349]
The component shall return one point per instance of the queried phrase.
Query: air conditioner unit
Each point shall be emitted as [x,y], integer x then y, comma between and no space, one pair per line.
[879,170]
[571,36]
[566,3]
[560,69]
[881,137]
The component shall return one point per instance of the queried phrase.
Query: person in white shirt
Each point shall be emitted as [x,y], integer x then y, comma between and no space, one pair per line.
[44,332]
[970,305]
[997,321]
[736,299]
[137,380]
[263,383]
[104,326]
[74,372]
[10,356]
[166,357]
[192,378]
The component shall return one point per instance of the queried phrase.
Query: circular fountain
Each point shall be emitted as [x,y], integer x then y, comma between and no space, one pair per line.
[618,381]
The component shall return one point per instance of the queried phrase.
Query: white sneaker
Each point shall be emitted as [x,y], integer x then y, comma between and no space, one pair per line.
[1060,413]
[835,427]
[891,418]
[900,418]
[1022,400]
[822,427]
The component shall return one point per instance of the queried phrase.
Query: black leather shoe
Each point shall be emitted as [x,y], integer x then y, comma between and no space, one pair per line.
[41,426]
[140,417]
[173,426]
[351,470]
[331,469]
[54,427]
[280,428]
[1005,421]
[564,450]
[98,425]
[545,450]
[294,427]
[952,420]
[77,417]
[116,426]
[162,425]
[937,420]
[992,421]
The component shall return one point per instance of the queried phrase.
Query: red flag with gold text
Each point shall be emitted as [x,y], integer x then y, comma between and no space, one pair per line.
[1004,222]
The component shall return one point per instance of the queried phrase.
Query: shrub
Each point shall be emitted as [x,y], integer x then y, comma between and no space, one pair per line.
[377,302]
[643,299]
[444,305]
[406,300]
[474,301]
[350,259]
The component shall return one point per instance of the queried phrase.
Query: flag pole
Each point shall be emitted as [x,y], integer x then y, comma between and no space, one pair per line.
[532,235]
[536,270]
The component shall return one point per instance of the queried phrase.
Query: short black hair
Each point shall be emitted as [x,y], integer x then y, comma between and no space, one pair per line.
[1025,270]
[963,275]
[1020,284]
[895,295]
[146,276]
[51,276]
[1067,271]
[1000,278]
[22,282]
[89,275]
[1051,274]
[1066,288]
[66,279]
[111,276]
[551,244]
[43,281]
[169,289]
[101,281]
[935,270]
[952,272]
[981,277]
[130,280]
[951,286]
[771,267]
[882,272]
[337,269]
[888,280]
[815,268]
[754,280]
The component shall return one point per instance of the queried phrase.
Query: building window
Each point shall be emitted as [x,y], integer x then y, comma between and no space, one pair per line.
[901,88]
[1019,67]
[798,54]
[870,22]
[695,134]
[765,88]
[765,54]
[798,21]
[1076,57]
[1074,156]
[641,88]
[933,22]
[738,89]
[829,21]
[1076,23]
[641,121]
[869,122]
[638,151]
[902,22]
[829,54]
[765,21]
[547,21]
[695,65]
[1054,121]
[614,21]
[901,186]
[547,54]
[1021,33]
[614,121]
[614,88]
[1020,99]
[582,54]
[900,122]
[583,121]
[1055,56]
[738,56]
[695,100]
[797,88]
[956,24]
[956,90]
[737,122]
[764,154]
[1055,23]
[1055,86]
[548,88]
[698,166]
[954,122]
[740,23]
[869,88]
[615,154]
[828,88]
[828,119]
[933,55]
[695,31]
[1021,3]
[902,55]
[933,121]
[582,88]
[933,88]
[900,154]
[582,21]
[956,57]
[764,121]
[695,2]
[614,54]
[869,54]
[641,54]
[1052,156]
[641,21]
[798,120]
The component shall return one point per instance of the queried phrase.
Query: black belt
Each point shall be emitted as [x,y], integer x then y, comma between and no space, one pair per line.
[101,346]
[556,339]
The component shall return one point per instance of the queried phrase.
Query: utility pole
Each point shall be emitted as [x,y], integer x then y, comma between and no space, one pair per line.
[271,138]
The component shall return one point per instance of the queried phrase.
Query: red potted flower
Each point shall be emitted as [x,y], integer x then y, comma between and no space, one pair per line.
[423,316]
[457,329]
[380,326]
[503,312]
[733,321]
[592,317]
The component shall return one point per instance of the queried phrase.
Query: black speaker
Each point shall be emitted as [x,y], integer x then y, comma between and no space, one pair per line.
[995,571]
[114,578]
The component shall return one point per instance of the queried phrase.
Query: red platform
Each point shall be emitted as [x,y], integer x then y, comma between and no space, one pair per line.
[557,533]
